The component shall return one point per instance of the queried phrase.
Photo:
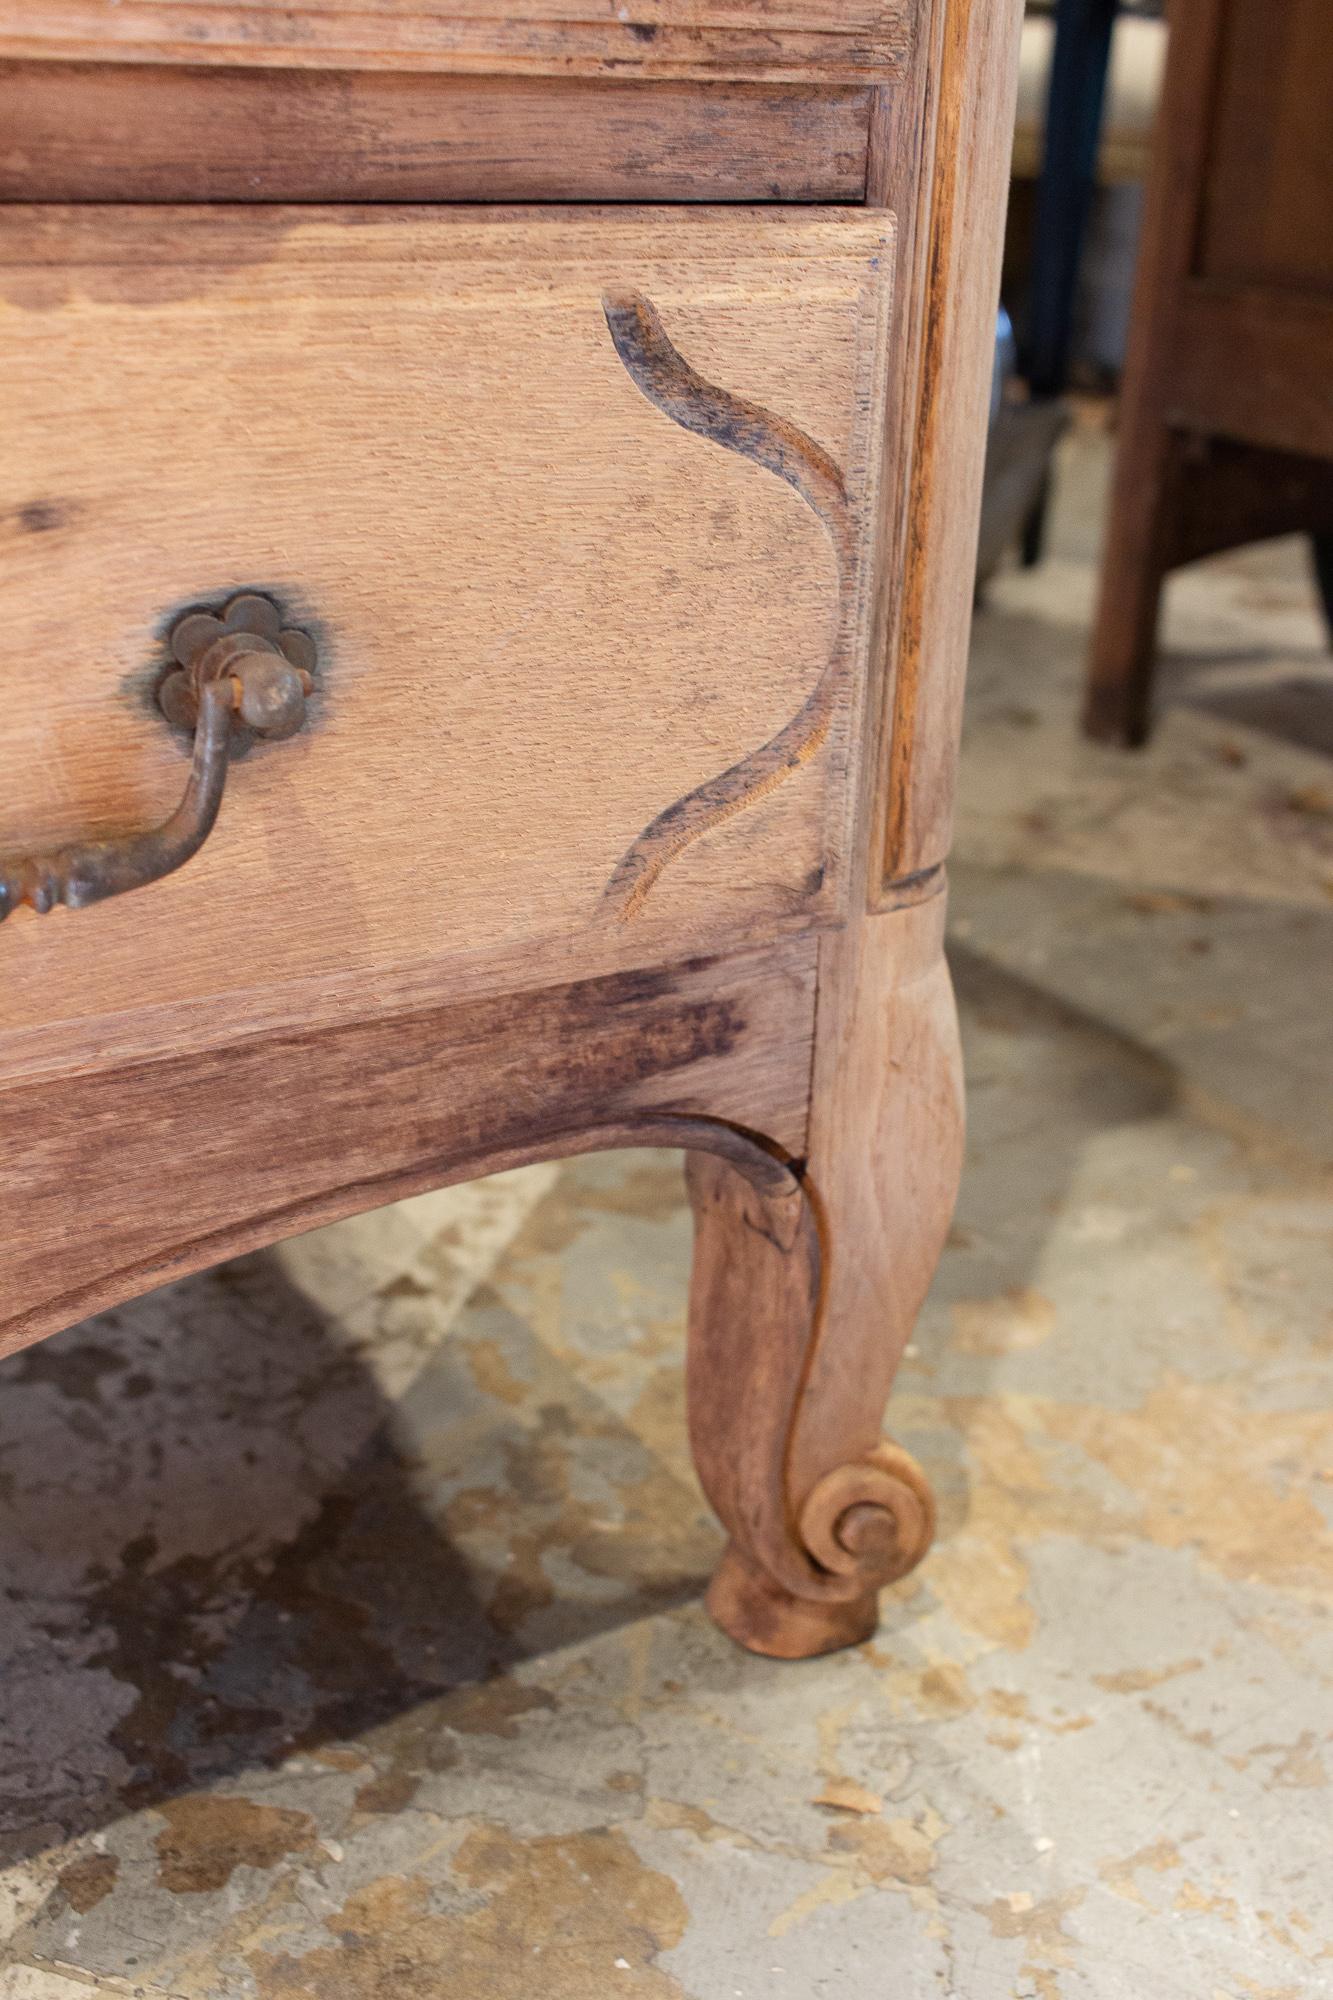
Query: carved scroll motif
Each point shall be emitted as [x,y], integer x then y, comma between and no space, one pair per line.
[668,381]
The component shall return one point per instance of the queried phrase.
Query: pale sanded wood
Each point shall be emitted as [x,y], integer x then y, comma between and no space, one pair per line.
[116,1182]
[805,1561]
[899,176]
[977,88]
[158,132]
[886,1142]
[799,1311]
[837,39]
[548,609]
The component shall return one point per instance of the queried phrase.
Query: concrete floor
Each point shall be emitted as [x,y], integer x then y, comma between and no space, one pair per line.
[343,1660]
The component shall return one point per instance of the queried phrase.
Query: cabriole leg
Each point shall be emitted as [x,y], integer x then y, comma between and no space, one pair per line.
[802,1302]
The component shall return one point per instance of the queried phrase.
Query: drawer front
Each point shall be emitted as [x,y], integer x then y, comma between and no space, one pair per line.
[579,509]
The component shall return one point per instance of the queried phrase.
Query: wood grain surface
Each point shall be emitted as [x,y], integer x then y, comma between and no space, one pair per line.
[548,606]
[1147,453]
[1231,331]
[886,1150]
[844,40]
[976,85]
[114,1182]
[1255,365]
[1266,203]
[158,132]
[804,1564]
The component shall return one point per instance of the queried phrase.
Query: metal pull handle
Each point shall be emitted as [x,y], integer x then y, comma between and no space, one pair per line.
[236,673]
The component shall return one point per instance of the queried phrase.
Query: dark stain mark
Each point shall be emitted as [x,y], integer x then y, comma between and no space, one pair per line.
[42,517]
[338,1631]
[643,31]
[389,1793]
[86,1881]
[492,1707]
[207,1838]
[698,406]
[406,1287]
[597,1041]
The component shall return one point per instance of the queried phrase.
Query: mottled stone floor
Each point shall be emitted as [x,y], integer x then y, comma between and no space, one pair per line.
[352,1644]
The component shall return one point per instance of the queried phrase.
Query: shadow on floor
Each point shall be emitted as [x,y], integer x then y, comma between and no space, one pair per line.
[244,1553]
[140,1667]
[1291,707]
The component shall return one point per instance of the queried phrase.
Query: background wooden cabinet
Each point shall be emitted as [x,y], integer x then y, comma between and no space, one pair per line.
[1226,431]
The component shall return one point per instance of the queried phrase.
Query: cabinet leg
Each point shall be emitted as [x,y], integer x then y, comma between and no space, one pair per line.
[1321,555]
[803,1298]
[1117,705]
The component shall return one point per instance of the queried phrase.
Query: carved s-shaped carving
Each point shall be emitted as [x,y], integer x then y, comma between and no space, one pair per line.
[667,380]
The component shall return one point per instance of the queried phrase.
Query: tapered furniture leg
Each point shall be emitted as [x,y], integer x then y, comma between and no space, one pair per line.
[803,1300]
[1118,700]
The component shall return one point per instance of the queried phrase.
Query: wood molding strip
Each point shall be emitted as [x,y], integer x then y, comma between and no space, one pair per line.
[151,132]
[839,40]
[978,81]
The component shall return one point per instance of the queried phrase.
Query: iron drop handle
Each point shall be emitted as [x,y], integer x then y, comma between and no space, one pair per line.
[241,671]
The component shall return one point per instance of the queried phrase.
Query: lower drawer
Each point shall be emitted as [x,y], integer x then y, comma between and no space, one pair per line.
[578,509]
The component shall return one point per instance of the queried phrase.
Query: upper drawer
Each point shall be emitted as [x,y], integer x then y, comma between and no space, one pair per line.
[835,40]
[578,507]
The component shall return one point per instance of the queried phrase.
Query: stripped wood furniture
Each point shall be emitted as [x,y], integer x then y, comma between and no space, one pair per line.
[489,505]
[1226,412]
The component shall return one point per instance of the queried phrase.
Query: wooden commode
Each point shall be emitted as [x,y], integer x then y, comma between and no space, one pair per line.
[488,502]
